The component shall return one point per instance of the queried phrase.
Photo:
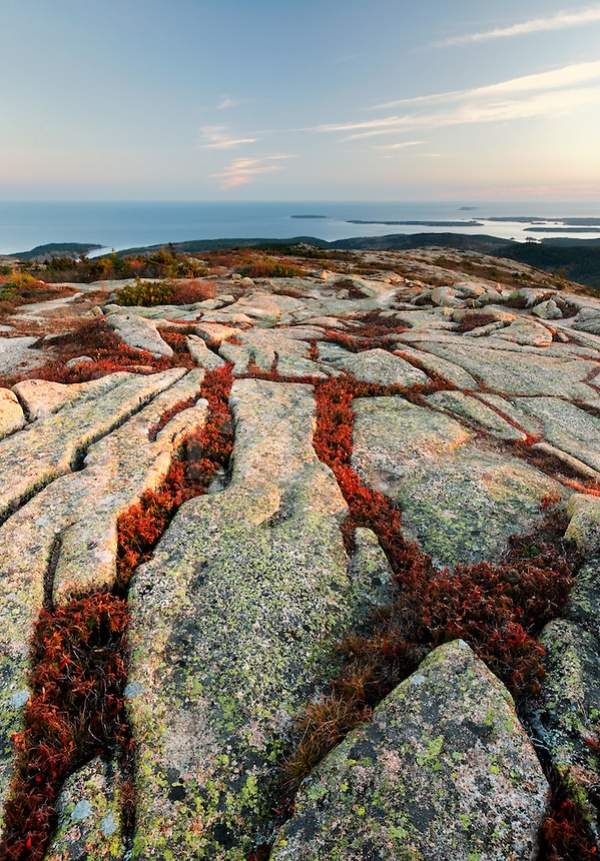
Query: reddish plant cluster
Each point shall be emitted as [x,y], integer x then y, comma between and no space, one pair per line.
[94,338]
[191,291]
[498,609]
[474,321]
[205,454]
[169,414]
[565,832]
[77,708]
[76,711]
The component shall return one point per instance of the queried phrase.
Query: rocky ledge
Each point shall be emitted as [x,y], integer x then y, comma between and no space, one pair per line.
[337,437]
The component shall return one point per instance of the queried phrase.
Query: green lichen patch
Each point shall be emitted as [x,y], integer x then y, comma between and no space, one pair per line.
[89,816]
[444,770]
[234,620]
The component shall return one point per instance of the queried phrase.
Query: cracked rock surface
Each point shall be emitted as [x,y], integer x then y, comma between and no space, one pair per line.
[478,403]
[415,782]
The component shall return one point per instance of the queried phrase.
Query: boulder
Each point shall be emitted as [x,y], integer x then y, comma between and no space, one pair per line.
[201,354]
[444,771]
[12,417]
[41,398]
[373,366]
[526,332]
[139,333]
[548,310]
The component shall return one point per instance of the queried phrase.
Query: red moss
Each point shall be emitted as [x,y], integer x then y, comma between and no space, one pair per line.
[75,713]
[97,340]
[565,834]
[474,321]
[205,453]
[189,292]
[169,414]
[498,609]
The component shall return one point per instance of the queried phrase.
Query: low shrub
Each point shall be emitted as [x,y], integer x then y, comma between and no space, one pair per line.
[76,711]
[146,293]
[151,293]
[497,608]
[269,268]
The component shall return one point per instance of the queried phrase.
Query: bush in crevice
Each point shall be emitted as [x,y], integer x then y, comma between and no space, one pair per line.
[498,609]
[78,674]
[76,712]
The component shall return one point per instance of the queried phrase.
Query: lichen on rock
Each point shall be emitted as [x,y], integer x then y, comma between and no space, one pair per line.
[444,771]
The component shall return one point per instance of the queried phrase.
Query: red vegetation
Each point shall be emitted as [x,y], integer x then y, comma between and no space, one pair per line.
[497,609]
[79,676]
[94,338]
[205,453]
[75,713]
[474,321]
[565,832]
[189,292]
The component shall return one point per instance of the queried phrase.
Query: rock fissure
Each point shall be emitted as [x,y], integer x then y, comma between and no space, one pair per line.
[59,444]
[78,680]
[448,415]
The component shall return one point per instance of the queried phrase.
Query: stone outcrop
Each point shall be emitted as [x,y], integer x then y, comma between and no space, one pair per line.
[12,417]
[47,449]
[77,515]
[443,771]
[460,498]
[237,617]
[232,624]
[89,816]
[139,333]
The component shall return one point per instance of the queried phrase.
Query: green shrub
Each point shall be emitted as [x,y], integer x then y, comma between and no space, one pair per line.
[146,293]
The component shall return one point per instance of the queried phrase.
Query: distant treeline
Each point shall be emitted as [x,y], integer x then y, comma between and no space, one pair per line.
[579,263]
[573,259]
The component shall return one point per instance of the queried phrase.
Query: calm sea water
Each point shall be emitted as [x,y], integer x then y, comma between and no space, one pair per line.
[24,225]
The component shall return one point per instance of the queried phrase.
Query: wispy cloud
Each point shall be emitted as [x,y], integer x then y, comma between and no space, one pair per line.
[401,145]
[218,137]
[245,170]
[560,21]
[547,94]
[228,102]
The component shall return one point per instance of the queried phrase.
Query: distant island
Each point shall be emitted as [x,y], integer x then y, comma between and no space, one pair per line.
[471,223]
[57,249]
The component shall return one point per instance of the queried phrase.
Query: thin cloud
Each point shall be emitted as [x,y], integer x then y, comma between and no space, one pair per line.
[560,21]
[575,73]
[217,137]
[548,94]
[228,103]
[402,145]
[244,170]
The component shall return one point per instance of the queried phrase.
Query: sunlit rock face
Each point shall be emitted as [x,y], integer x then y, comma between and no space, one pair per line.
[469,407]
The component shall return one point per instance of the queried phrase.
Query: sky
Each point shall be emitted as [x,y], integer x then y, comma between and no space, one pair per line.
[299,100]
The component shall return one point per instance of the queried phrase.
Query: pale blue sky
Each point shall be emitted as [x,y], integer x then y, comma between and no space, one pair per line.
[299,99]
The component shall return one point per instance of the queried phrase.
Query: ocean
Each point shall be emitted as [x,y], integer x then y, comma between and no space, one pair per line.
[119,225]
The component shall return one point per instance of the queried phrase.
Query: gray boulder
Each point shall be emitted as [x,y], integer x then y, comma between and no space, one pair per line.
[445,771]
